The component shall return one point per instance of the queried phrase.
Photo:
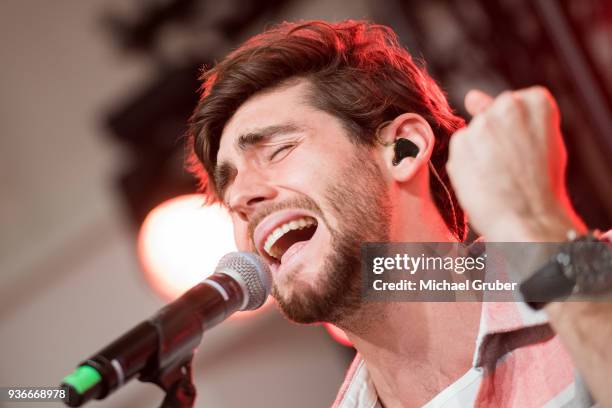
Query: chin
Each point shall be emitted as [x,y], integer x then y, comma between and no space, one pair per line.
[299,278]
[297,292]
[328,293]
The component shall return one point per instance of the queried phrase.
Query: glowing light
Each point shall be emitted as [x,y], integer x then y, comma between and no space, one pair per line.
[180,243]
[338,334]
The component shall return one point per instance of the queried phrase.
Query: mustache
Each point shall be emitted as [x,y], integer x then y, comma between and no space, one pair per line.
[297,203]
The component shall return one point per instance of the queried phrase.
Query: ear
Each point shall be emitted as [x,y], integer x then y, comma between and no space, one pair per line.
[415,128]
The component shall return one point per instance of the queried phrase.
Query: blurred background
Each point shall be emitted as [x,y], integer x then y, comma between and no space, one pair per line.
[95,97]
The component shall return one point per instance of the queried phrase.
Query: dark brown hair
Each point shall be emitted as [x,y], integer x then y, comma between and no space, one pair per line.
[358,72]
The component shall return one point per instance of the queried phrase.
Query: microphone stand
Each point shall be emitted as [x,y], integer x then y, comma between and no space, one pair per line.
[179,332]
[177,381]
[160,350]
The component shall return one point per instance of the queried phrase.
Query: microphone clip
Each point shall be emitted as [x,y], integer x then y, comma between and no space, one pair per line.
[177,381]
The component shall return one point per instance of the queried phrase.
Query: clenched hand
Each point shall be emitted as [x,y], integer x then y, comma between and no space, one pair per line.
[508,167]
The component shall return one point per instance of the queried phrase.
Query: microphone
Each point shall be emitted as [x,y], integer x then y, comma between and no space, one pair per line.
[241,281]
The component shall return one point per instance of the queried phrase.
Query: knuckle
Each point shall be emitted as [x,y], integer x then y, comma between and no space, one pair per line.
[506,98]
[506,95]
[540,91]
[508,103]
[480,122]
[540,96]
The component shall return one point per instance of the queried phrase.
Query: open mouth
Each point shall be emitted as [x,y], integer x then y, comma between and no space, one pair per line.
[287,238]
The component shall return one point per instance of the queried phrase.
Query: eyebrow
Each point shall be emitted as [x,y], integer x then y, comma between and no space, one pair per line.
[225,171]
[257,136]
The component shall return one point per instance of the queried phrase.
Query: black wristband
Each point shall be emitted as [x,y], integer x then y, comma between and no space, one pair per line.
[582,266]
[547,284]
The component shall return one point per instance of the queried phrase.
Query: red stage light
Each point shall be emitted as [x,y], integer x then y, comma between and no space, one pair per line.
[180,243]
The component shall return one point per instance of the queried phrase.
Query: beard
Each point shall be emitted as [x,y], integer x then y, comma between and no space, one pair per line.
[359,201]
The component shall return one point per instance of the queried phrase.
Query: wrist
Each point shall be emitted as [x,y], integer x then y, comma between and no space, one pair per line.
[564,313]
[558,310]
[552,226]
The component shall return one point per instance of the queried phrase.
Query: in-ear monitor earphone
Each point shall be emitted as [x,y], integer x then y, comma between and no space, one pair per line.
[403,148]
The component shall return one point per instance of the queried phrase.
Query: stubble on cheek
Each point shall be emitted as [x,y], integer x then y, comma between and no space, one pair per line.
[358,201]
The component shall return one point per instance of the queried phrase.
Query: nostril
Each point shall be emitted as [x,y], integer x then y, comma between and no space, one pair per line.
[255,200]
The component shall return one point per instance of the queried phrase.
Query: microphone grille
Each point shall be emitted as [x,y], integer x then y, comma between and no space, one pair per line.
[251,272]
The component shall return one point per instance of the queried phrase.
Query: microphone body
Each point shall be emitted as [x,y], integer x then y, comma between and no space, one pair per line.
[170,337]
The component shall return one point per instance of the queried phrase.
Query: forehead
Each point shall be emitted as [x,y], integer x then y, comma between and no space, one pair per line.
[271,108]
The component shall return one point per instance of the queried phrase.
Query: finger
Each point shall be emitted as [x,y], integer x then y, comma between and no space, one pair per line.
[477,101]
[540,100]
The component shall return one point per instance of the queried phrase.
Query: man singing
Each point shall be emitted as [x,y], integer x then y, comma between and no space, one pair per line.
[298,134]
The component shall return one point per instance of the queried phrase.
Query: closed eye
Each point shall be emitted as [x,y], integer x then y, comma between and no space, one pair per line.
[276,155]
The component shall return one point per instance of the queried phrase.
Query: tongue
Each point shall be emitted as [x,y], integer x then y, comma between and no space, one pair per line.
[292,250]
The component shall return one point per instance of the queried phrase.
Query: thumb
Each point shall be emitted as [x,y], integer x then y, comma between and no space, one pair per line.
[477,101]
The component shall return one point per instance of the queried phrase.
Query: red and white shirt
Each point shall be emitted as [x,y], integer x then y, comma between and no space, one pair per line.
[518,362]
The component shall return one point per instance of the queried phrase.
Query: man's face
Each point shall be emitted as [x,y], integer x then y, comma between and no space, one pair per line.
[304,197]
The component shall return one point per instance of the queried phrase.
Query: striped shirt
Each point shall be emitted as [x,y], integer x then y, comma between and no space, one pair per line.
[518,362]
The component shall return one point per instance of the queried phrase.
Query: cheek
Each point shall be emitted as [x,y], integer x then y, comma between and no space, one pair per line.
[307,172]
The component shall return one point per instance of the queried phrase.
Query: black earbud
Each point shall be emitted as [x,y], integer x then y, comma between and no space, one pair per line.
[403,148]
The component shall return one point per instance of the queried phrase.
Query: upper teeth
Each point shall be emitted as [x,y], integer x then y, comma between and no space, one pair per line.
[282,230]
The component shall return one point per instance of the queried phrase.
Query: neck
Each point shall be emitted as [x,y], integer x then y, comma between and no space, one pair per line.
[413,350]
[418,220]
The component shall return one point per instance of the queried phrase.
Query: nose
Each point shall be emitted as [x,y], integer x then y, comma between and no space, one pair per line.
[249,190]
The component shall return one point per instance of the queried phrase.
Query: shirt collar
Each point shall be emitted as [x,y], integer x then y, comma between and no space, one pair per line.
[504,326]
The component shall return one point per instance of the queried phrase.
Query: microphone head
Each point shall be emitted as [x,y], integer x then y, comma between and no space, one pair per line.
[252,273]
